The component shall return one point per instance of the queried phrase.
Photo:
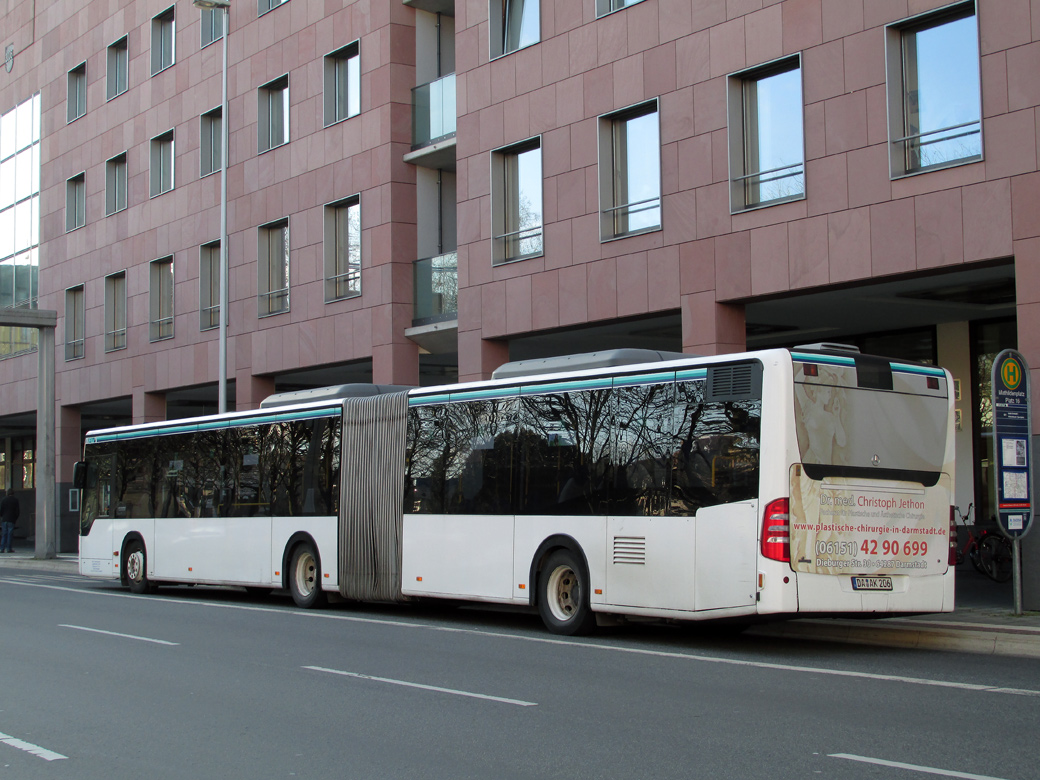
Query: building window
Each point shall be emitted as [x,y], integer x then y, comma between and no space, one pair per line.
[767,151]
[604,7]
[516,201]
[210,143]
[343,249]
[161,152]
[212,25]
[76,102]
[162,41]
[209,285]
[514,25]
[263,6]
[118,68]
[160,299]
[115,184]
[75,322]
[934,103]
[630,171]
[76,202]
[342,84]
[273,114]
[273,269]
[115,311]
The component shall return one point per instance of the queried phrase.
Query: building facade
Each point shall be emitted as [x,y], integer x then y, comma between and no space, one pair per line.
[419,192]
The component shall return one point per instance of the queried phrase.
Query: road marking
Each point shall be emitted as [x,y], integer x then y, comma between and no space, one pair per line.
[115,633]
[913,767]
[518,702]
[552,641]
[28,747]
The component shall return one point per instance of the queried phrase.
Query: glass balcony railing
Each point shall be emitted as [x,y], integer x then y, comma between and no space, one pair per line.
[433,111]
[436,288]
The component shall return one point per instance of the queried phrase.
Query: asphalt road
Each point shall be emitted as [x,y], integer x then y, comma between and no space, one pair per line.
[206,682]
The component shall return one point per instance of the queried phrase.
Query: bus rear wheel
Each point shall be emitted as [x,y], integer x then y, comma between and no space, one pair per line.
[563,595]
[305,577]
[135,565]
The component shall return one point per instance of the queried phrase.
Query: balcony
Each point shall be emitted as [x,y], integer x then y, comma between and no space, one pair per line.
[435,315]
[433,124]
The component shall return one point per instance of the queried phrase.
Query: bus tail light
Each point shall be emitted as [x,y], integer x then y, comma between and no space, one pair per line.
[953,539]
[776,531]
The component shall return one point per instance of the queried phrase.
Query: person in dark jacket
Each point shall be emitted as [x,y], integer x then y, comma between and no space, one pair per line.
[9,511]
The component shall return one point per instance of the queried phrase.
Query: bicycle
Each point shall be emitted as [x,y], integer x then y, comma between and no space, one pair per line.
[989,552]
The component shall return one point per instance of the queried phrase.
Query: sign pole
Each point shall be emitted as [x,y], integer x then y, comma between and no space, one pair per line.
[1012,455]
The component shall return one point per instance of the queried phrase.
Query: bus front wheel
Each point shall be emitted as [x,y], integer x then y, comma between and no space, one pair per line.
[305,577]
[563,595]
[135,565]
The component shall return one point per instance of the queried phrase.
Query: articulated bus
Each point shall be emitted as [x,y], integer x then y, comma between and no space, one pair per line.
[814,480]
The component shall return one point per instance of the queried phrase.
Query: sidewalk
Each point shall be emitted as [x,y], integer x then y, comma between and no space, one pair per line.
[982,623]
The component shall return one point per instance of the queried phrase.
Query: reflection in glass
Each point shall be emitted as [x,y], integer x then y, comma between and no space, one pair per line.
[520,24]
[941,93]
[773,164]
[637,172]
[522,203]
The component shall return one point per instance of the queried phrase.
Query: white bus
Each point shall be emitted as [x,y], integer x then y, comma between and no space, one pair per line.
[781,482]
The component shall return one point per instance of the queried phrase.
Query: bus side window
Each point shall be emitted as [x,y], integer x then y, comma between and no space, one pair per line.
[427,455]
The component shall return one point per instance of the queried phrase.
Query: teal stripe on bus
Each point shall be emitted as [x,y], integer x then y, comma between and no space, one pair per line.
[485,395]
[904,368]
[421,400]
[598,383]
[644,379]
[831,360]
[215,425]
[692,373]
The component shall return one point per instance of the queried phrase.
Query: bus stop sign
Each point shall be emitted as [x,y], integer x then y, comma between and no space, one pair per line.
[1012,443]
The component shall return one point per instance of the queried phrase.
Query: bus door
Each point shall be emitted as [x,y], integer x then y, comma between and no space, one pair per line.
[94,478]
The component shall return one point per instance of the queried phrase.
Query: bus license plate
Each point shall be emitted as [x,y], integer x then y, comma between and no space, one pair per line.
[872,583]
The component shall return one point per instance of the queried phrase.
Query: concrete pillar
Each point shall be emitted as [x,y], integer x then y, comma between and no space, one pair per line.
[46,520]
[251,390]
[479,357]
[148,407]
[711,328]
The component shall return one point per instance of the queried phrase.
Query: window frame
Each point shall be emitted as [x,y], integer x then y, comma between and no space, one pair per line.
[265,117]
[209,285]
[266,6]
[499,28]
[161,157]
[76,194]
[164,40]
[160,299]
[118,64]
[608,140]
[115,311]
[506,234]
[607,7]
[739,121]
[75,322]
[77,88]
[340,271]
[348,58]
[265,249]
[900,165]
[210,147]
[207,16]
[115,184]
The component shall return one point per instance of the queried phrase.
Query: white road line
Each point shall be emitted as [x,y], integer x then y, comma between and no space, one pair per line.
[28,747]
[452,691]
[115,633]
[551,641]
[914,767]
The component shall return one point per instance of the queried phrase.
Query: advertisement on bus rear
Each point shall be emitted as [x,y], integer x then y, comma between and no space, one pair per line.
[862,527]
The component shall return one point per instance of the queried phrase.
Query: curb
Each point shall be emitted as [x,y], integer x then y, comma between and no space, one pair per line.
[980,639]
[66,564]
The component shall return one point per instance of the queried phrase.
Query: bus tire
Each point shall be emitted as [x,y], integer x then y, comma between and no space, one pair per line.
[135,565]
[563,595]
[305,577]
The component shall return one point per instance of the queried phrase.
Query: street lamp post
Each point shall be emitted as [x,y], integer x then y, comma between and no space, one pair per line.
[222,329]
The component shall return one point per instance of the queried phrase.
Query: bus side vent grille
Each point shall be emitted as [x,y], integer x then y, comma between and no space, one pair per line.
[630,550]
[735,383]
